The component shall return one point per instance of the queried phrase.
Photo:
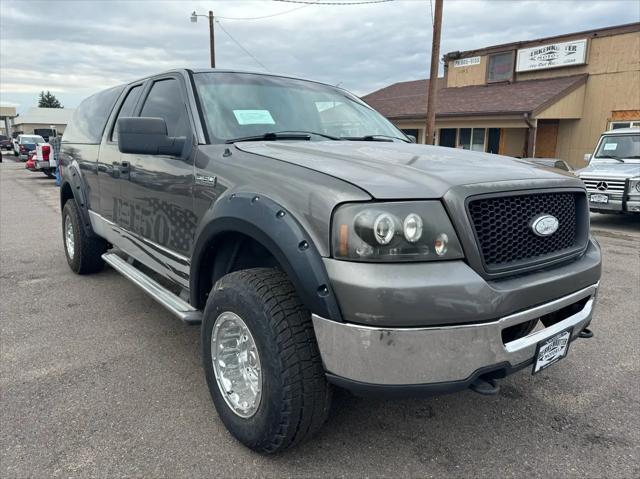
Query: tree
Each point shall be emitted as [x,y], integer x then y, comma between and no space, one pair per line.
[48,100]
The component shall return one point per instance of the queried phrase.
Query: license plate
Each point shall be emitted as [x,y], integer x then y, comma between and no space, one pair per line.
[598,198]
[551,350]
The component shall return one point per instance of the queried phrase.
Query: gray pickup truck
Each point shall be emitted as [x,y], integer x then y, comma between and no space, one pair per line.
[318,246]
[612,178]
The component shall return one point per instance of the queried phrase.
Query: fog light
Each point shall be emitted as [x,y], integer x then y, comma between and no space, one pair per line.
[440,245]
[412,228]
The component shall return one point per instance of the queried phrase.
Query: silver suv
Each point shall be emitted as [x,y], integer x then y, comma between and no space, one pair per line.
[613,175]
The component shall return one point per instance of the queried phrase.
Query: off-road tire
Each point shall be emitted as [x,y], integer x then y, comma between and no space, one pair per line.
[296,396]
[88,250]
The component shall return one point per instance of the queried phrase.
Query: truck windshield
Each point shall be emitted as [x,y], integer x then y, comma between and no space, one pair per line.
[619,147]
[242,105]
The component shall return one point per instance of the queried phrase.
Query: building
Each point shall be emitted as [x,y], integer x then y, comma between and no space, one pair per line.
[42,119]
[550,97]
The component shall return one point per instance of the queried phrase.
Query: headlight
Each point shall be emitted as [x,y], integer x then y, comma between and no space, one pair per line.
[634,186]
[407,231]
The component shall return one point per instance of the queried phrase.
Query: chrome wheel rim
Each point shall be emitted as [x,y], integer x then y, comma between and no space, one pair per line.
[236,364]
[68,236]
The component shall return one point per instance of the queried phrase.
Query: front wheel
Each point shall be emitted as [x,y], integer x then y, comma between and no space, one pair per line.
[262,362]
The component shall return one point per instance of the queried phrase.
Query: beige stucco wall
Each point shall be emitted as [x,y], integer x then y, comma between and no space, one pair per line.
[604,94]
[609,54]
[613,66]
[605,55]
[28,128]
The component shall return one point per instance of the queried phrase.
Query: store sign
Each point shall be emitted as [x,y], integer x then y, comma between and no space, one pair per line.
[466,62]
[554,55]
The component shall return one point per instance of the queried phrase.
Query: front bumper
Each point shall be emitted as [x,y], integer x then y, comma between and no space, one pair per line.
[633,206]
[629,206]
[440,355]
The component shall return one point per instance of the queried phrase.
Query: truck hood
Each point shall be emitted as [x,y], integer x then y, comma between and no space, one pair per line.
[401,170]
[610,169]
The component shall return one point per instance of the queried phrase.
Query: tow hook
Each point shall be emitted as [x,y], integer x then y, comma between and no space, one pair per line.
[485,386]
[586,333]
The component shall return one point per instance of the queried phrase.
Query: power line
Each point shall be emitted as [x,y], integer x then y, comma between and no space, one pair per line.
[363,2]
[241,47]
[269,16]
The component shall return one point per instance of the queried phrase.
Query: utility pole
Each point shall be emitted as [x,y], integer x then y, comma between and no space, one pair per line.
[212,42]
[433,75]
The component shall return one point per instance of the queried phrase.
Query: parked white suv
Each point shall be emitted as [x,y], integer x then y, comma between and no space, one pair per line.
[613,175]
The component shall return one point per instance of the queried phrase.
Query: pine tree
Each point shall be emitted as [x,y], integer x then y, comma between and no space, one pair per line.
[48,100]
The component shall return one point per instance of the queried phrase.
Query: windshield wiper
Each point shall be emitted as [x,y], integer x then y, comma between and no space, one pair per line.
[609,157]
[386,138]
[323,135]
[272,137]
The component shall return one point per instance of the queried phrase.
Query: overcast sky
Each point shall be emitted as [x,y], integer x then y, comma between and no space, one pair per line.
[75,48]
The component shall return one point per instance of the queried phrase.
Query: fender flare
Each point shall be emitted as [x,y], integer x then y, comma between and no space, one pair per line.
[73,179]
[281,234]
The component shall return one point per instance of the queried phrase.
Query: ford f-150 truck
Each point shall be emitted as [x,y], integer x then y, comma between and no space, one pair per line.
[612,178]
[318,246]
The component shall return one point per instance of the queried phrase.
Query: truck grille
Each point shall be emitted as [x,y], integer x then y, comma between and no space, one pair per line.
[613,188]
[502,226]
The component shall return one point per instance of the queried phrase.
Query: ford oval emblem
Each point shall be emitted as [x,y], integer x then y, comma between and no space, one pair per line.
[545,225]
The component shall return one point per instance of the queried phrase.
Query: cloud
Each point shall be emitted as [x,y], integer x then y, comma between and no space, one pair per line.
[74,48]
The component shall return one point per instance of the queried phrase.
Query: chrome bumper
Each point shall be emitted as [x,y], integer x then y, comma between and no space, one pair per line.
[412,356]
[633,206]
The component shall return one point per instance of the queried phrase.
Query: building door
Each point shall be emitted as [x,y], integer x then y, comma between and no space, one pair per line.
[448,137]
[493,142]
[546,139]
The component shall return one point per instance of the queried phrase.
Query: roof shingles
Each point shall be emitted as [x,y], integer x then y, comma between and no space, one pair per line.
[409,99]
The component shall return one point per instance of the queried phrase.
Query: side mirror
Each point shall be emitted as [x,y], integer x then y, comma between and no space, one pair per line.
[147,136]
[587,158]
[412,138]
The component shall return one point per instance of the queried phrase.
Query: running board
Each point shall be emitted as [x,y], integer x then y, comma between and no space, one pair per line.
[166,298]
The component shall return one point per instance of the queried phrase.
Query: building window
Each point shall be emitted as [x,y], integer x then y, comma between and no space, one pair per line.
[616,125]
[414,132]
[500,67]
[472,139]
[448,137]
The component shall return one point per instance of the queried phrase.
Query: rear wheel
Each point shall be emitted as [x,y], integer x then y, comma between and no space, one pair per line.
[83,252]
[262,362]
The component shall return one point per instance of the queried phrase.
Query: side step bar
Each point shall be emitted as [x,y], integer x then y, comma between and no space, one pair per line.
[166,298]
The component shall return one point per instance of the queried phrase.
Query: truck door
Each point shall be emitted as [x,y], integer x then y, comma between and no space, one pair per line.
[159,187]
[111,172]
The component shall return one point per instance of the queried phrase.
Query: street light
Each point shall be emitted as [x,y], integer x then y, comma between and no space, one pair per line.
[212,46]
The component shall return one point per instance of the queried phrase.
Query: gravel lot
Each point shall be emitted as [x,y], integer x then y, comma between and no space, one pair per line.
[97,380]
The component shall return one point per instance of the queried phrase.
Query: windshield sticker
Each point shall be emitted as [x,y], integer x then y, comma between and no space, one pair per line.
[610,146]
[254,117]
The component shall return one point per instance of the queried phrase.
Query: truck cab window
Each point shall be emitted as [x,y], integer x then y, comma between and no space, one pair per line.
[165,101]
[127,108]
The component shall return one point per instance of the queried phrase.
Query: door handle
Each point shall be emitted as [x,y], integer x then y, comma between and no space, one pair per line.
[121,167]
